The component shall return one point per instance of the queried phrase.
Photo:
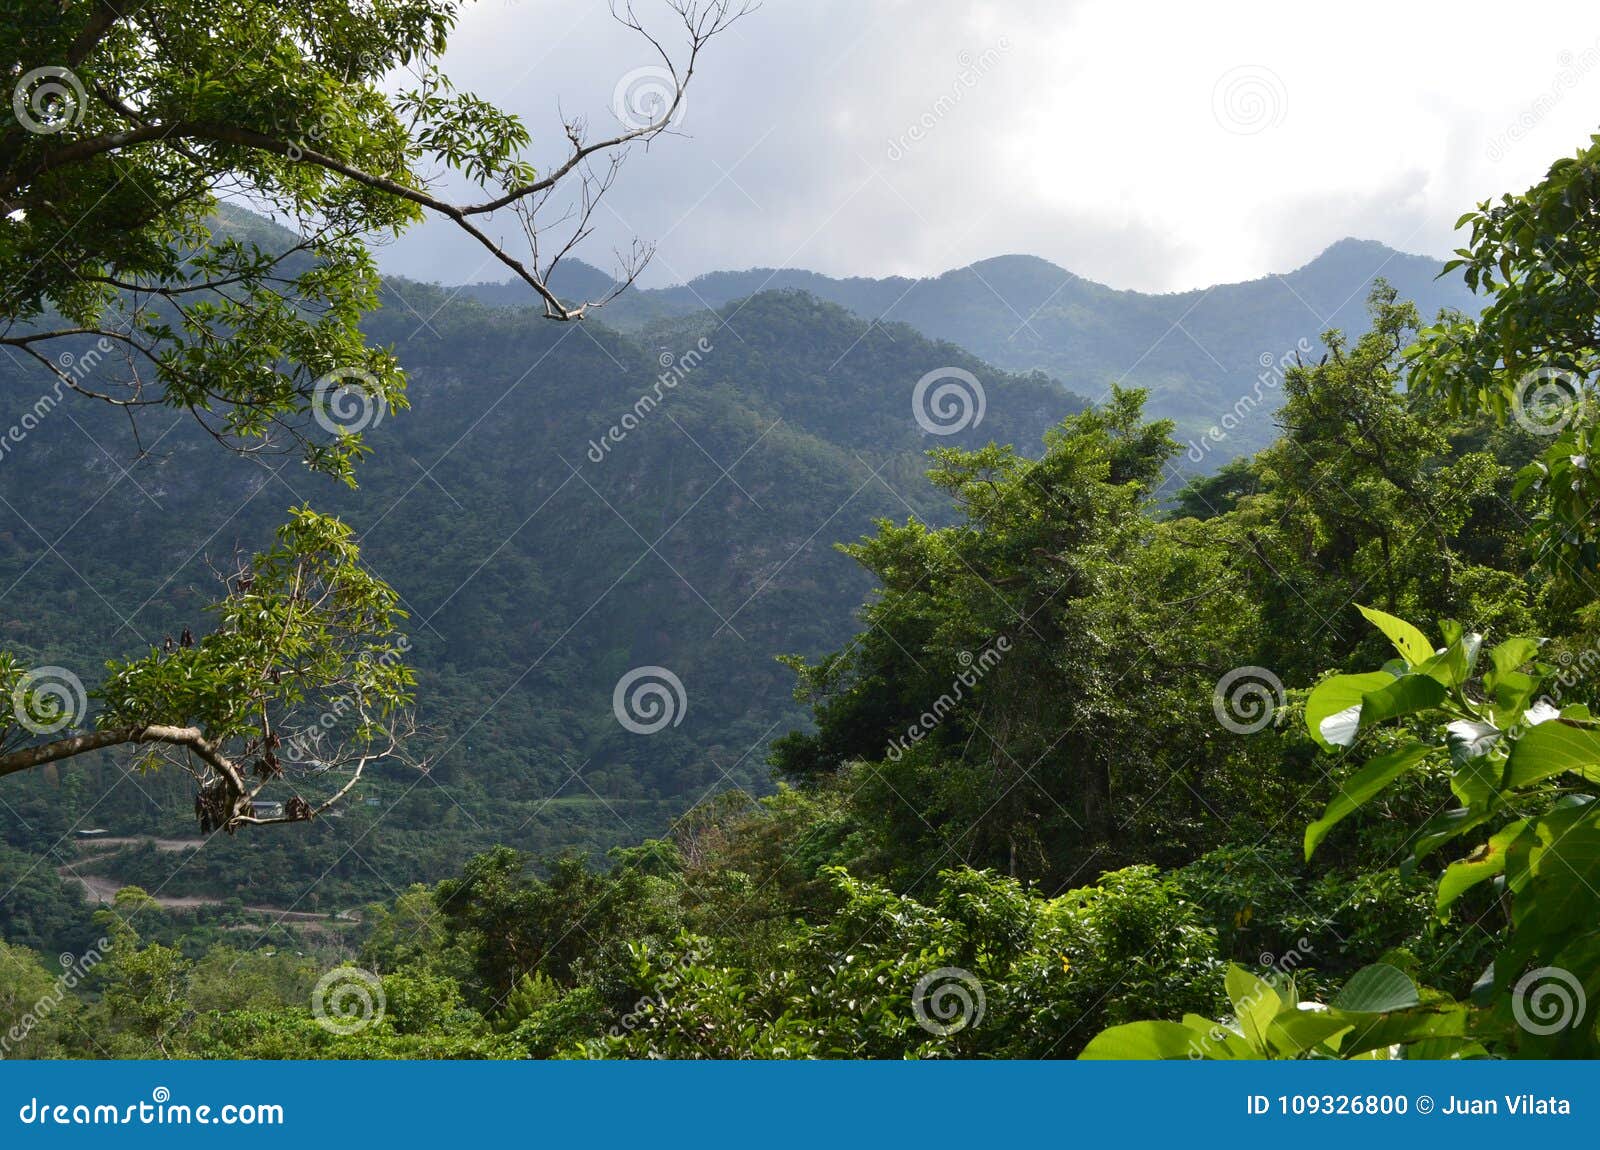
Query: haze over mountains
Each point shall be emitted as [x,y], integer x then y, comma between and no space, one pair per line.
[1197,352]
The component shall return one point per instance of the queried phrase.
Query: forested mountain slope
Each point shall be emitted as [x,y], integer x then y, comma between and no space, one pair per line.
[544,544]
[1197,352]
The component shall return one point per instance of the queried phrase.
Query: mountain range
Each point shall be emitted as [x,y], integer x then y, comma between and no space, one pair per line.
[566,504]
[1197,352]
[549,534]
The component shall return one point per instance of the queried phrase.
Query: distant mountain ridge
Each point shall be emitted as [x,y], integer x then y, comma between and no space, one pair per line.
[1198,352]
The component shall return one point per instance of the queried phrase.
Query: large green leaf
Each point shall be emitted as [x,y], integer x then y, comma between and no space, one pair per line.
[1401,697]
[1255,1004]
[1361,786]
[1453,665]
[1475,779]
[1509,686]
[1294,1031]
[1412,644]
[1416,1024]
[1563,890]
[1335,695]
[1377,989]
[1551,749]
[1145,1041]
[1485,863]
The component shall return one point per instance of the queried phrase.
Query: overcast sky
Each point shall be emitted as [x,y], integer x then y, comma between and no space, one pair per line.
[1156,146]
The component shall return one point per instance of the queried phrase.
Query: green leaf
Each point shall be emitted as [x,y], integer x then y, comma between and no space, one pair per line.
[1505,659]
[1295,1031]
[1144,1041]
[1551,749]
[1335,695]
[1361,786]
[1221,1043]
[1469,739]
[1475,781]
[1444,826]
[1377,989]
[1401,697]
[1255,1004]
[1561,892]
[1422,1023]
[1453,665]
[1412,644]
[1482,864]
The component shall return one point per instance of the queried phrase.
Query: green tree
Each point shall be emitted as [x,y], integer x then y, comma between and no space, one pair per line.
[1369,494]
[133,126]
[305,633]
[145,996]
[1036,674]
[37,1013]
[1531,356]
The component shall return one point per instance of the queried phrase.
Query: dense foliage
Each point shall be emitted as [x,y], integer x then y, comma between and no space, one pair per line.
[1105,770]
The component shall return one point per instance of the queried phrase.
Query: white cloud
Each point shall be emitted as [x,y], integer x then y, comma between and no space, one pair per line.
[1087,133]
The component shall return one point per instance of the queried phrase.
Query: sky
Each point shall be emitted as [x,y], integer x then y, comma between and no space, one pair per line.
[1149,146]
